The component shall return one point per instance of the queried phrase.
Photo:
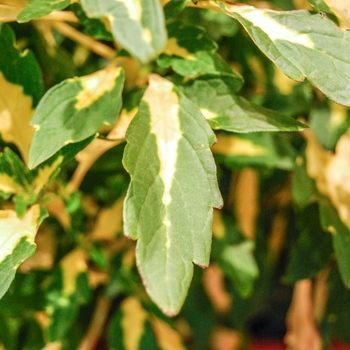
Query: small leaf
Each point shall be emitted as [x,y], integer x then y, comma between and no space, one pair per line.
[172,172]
[190,53]
[341,238]
[94,27]
[40,8]
[241,266]
[19,68]
[16,242]
[76,107]
[225,111]
[302,45]
[138,25]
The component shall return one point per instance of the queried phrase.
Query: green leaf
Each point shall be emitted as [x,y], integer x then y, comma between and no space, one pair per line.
[304,188]
[131,326]
[254,149]
[137,25]
[40,8]
[190,53]
[302,45]
[341,238]
[94,27]
[76,107]
[304,250]
[225,111]
[69,289]
[20,68]
[16,242]
[172,172]
[320,5]
[241,266]
[174,7]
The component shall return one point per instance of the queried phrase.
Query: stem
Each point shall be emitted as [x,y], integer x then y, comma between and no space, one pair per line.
[84,40]
[106,138]
[97,324]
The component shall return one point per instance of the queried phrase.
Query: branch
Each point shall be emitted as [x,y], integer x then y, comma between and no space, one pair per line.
[84,40]
[97,324]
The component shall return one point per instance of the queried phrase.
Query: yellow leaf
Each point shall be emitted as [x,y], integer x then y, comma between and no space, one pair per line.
[331,171]
[73,264]
[109,222]
[134,317]
[9,9]
[341,8]
[15,114]
[168,338]
[231,145]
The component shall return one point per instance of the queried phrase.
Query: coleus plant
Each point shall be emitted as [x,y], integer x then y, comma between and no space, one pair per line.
[164,92]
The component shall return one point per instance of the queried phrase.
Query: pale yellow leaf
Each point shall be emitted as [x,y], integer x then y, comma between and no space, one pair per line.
[15,114]
[109,222]
[13,229]
[9,9]
[168,338]
[133,322]
[231,145]
[72,265]
[44,255]
[331,171]
[341,8]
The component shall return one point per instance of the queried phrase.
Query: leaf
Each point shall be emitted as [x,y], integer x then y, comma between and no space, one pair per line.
[302,45]
[242,267]
[138,25]
[15,114]
[331,173]
[225,111]
[68,291]
[304,250]
[19,68]
[172,172]
[93,27]
[341,9]
[190,53]
[16,242]
[256,149]
[77,107]
[341,238]
[234,254]
[130,327]
[40,8]
[9,10]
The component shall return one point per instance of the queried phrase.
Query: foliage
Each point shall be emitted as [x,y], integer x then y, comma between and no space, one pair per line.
[141,119]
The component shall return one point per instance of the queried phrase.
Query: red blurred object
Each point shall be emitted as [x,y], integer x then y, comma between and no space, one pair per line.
[264,344]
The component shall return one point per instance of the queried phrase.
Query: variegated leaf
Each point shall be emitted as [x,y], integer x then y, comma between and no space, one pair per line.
[16,242]
[172,172]
[301,44]
[225,111]
[76,107]
[138,25]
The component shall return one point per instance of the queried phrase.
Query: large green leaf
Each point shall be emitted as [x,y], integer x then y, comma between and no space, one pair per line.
[77,108]
[225,111]
[173,188]
[16,242]
[40,8]
[302,45]
[138,25]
